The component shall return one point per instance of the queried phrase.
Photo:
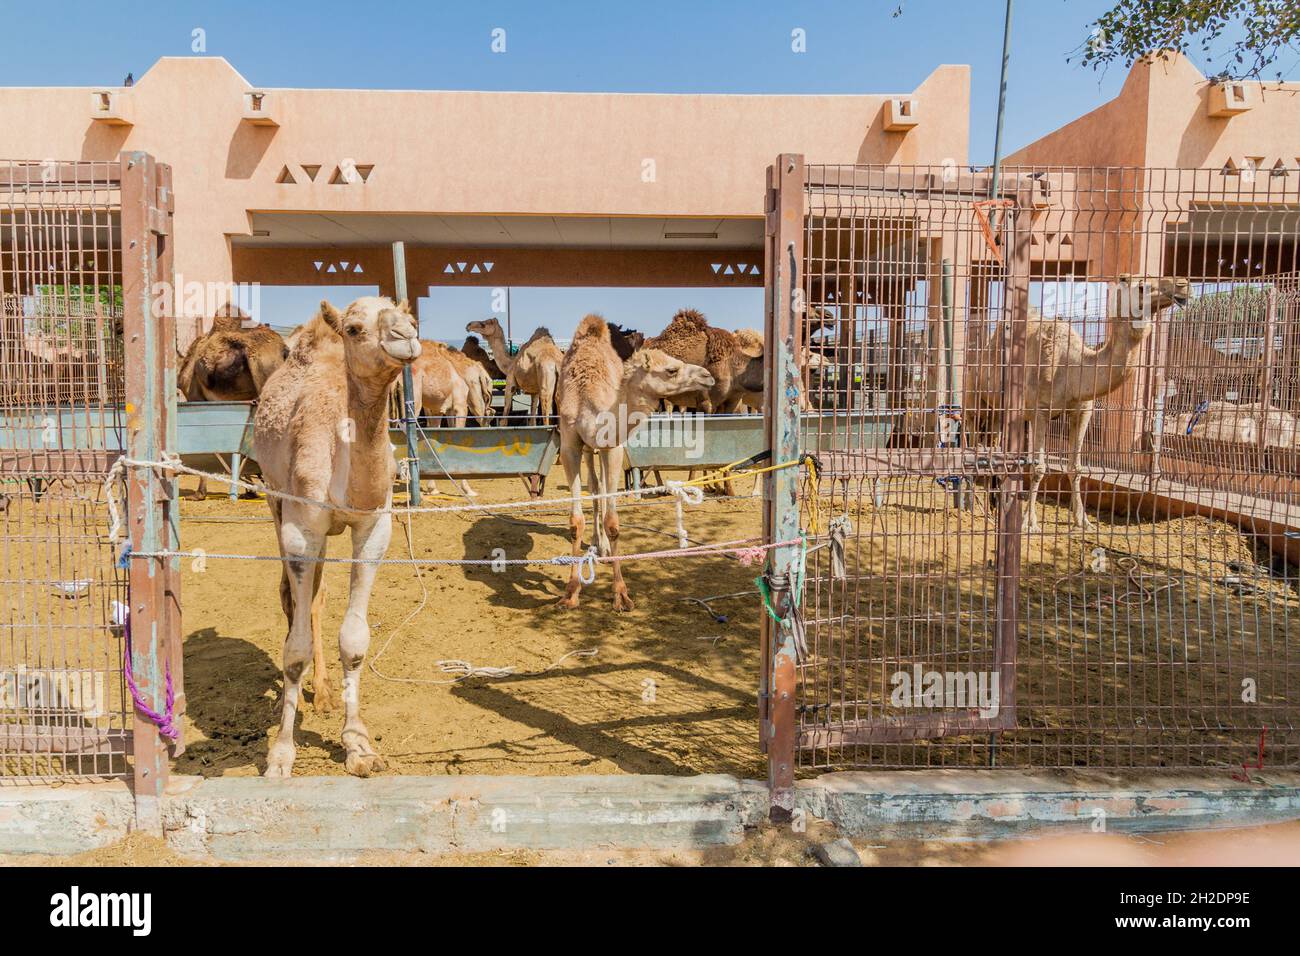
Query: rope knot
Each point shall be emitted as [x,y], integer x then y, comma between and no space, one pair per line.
[689,494]
[749,556]
[586,564]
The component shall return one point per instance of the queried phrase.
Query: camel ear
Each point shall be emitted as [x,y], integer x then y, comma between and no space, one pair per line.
[404,306]
[331,316]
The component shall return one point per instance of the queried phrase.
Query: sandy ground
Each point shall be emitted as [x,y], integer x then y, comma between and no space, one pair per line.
[667,689]
[1274,845]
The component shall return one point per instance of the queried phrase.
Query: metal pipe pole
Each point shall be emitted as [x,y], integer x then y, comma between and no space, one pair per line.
[409,420]
[1002,102]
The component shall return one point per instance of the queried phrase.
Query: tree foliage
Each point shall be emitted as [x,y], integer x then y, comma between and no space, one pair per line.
[1243,38]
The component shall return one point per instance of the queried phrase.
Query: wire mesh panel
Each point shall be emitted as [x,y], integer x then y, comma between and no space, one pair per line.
[1063,493]
[63,709]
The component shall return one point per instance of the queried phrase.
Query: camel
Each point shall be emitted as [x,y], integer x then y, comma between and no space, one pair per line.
[442,388]
[230,363]
[625,341]
[602,400]
[322,433]
[1063,376]
[474,349]
[733,359]
[535,369]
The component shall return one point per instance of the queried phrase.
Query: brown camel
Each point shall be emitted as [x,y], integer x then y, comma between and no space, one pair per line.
[735,360]
[625,341]
[322,433]
[474,349]
[229,363]
[602,400]
[1063,376]
[534,370]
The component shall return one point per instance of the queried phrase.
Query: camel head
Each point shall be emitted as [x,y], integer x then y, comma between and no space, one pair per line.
[378,336]
[1139,299]
[485,328]
[747,360]
[656,374]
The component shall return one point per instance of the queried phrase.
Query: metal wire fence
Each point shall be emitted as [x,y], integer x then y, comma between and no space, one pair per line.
[1073,485]
[63,708]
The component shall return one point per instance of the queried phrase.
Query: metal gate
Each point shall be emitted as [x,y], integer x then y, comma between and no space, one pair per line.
[1070,530]
[87,373]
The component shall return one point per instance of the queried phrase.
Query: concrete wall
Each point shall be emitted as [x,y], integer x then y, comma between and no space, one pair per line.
[464,152]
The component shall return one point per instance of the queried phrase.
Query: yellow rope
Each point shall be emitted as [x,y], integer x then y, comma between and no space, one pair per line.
[809,461]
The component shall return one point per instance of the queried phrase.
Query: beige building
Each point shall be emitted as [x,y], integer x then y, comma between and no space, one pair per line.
[309,187]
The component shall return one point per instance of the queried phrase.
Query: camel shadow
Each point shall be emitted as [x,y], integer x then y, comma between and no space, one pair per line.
[232,696]
[521,587]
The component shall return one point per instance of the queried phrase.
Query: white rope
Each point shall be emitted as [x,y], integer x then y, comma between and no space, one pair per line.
[115,474]
[172,463]
[586,562]
[688,494]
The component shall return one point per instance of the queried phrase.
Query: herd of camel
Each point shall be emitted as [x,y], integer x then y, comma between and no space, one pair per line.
[321,434]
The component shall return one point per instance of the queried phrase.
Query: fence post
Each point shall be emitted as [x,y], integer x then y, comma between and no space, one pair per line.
[149,332]
[409,419]
[1016,445]
[783,332]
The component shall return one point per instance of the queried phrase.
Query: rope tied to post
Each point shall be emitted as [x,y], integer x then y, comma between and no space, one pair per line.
[166,721]
[691,495]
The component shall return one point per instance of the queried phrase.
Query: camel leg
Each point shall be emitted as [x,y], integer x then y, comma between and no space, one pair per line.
[611,462]
[508,405]
[322,694]
[1038,452]
[369,543]
[461,412]
[302,535]
[599,505]
[1079,421]
[571,459]
[200,491]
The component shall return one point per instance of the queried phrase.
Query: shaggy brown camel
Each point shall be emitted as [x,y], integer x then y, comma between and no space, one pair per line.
[322,433]
[534,370]
[734,359]
[474,349]
[229,363]
[602,400]
[1063,376]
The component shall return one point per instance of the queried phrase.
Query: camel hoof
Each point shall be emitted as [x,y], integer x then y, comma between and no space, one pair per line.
[279,761]
[623,603]
[568,602]
[363,765]
[195,496]
[323,698]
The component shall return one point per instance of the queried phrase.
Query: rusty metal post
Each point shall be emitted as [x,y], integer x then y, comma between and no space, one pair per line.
[784,316]
[150,359]
[409,419]
[1015,443]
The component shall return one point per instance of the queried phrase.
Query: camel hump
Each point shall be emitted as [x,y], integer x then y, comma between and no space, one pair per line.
[691,317]
[592,327]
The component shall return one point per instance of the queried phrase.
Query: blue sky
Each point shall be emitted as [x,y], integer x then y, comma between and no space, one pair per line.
[667,46]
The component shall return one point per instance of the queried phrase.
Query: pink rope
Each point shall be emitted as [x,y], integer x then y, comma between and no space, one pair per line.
[750,556]
[165,721]
[704,549]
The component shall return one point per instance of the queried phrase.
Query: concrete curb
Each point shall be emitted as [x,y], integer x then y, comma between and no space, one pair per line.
[964,804]
[250,818]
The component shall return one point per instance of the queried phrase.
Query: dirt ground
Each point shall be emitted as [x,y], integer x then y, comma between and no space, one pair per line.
[1274,845]
[670,689]
[666,688]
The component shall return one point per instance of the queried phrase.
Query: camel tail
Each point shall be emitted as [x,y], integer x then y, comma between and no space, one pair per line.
[485,388]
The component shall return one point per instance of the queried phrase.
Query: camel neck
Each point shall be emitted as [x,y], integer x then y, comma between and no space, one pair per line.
[368,401]
[501,350]
[1114,359]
